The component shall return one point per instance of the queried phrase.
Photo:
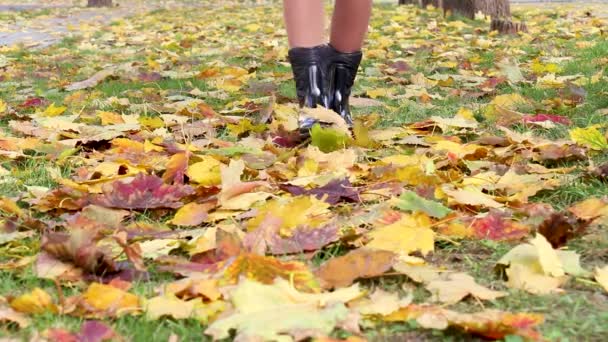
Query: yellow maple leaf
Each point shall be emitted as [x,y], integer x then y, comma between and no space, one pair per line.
[3,106]
[109,118]
[293,212]
[589,137]
[168,305]
[109,298]
[191,214]
[35,302]
[409,234]
[205,172]
[53,110]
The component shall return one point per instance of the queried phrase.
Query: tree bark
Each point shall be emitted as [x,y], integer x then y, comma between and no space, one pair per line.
[468,8]
[99,3]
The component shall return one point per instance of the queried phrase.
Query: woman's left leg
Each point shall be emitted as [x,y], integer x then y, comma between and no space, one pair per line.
[348,30]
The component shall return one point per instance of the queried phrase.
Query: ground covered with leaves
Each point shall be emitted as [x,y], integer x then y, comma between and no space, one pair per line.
[153,186]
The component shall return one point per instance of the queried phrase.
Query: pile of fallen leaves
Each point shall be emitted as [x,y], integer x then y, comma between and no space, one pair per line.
[241,213]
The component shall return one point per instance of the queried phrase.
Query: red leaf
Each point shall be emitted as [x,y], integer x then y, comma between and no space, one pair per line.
[495,226]
[95,331]
[34,102]
[143,192]
[90,331]
[559,119]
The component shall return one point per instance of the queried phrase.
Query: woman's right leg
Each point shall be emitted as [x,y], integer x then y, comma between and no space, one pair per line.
[305,22]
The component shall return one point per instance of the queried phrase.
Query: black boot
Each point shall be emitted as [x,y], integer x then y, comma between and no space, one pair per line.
[310,66]
[342,73]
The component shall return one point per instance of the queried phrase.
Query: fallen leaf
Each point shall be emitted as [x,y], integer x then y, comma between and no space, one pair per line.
[456,286]
[360,263]
[94,80]
[268,311]
[408,235]
[409,200]
[589,137]
[266,269]
[601,276]
[142,192]
[35,302]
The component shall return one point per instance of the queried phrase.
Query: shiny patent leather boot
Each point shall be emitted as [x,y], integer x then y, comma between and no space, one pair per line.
[342,73]
[309,66]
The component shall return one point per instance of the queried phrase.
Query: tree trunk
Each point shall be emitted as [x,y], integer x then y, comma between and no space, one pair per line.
[424,3]
[468,8]
[99,3]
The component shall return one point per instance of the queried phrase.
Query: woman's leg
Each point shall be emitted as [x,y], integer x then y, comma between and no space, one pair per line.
[305,22]
[349,24]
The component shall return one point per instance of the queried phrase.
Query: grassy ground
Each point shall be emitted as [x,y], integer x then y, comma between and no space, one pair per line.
[581,314]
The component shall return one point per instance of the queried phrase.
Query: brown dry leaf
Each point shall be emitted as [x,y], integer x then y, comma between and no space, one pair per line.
[360,263]
[94,80]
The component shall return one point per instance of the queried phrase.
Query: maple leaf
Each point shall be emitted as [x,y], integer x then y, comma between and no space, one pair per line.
[107,300]
[559,228]
[267,269]
[191,214]
[408,235]
[360,263]
[170,306]
[79,247]
[497,226]
[492,324]
[411,201]
[142,192]
[381,303]
[589,137]
[601,275]
[537,268]
[176,168]
[269,311]
[333,192]
[547,117]
[297,211]
[93,331]
[456,286]
[35,302]
[11,316]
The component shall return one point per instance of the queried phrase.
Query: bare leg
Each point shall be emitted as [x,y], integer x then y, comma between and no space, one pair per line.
[349,24]
[305,22]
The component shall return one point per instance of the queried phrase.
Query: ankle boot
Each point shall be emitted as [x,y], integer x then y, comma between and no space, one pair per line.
[309,66]
[342,73]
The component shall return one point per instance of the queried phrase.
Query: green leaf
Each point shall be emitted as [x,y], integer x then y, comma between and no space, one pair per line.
[327,139]
[411,201]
